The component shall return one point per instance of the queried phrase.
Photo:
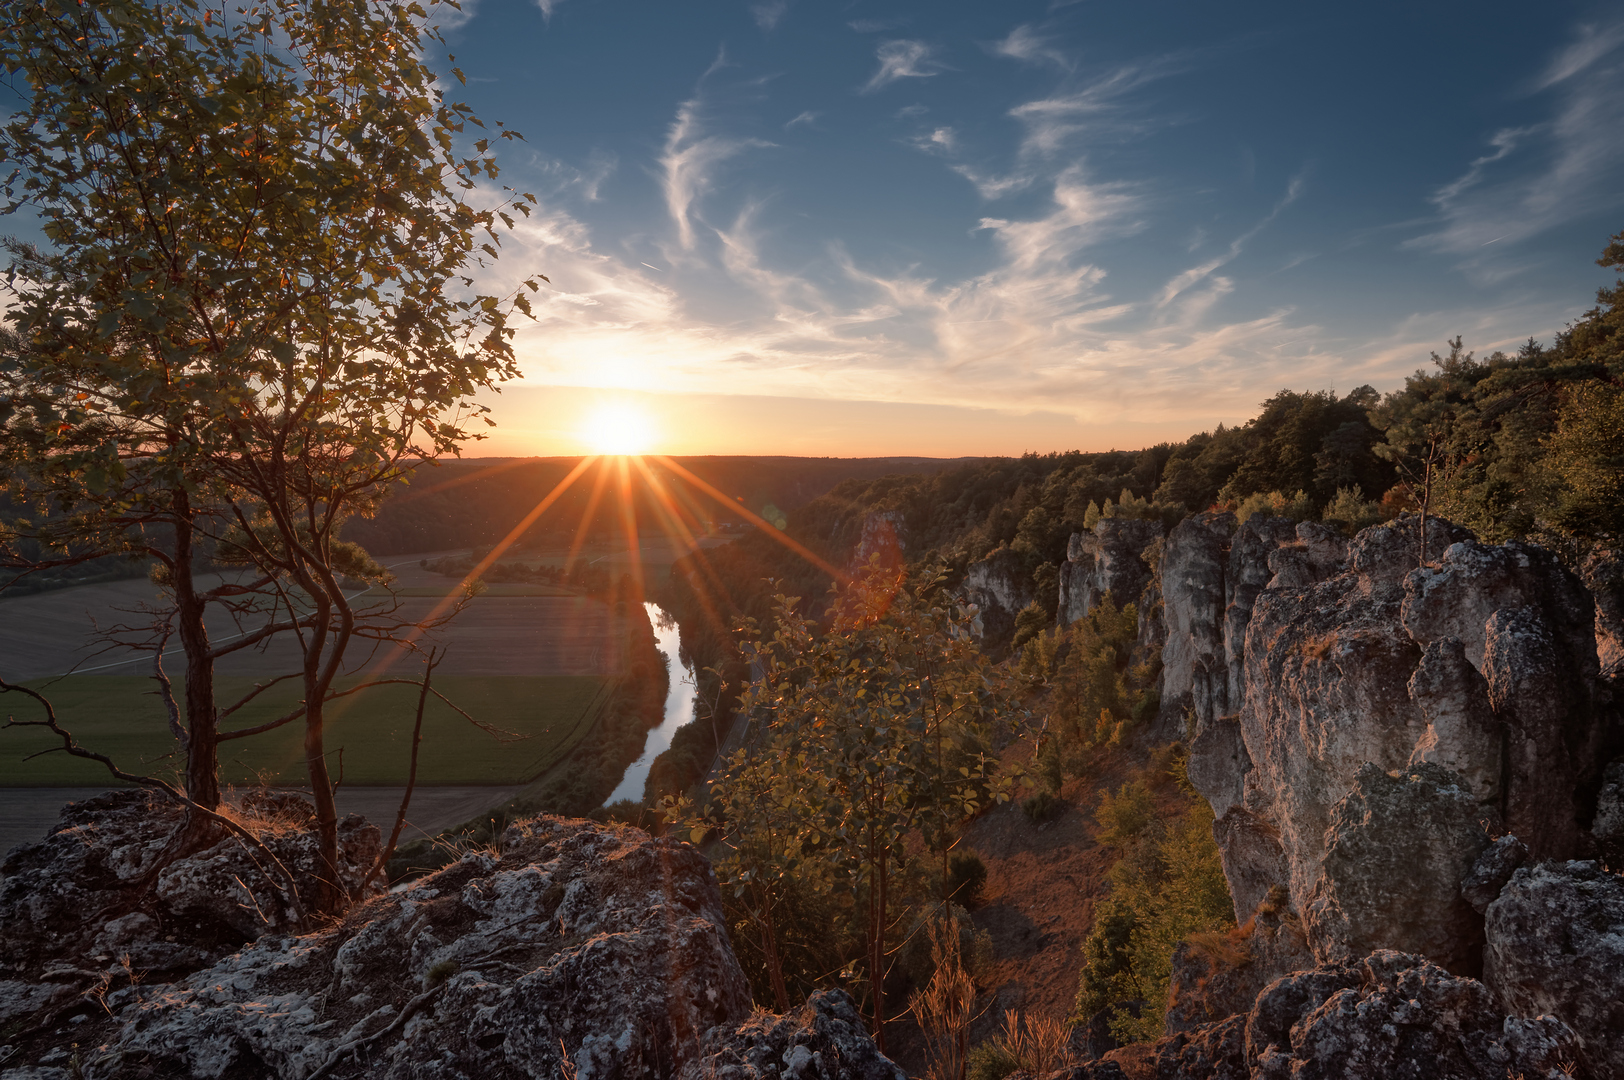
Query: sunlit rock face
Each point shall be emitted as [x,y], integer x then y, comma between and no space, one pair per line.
[1000,585]
[1387,719]
[1113,558]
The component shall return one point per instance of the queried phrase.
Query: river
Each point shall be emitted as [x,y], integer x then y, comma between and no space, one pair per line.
[679,705]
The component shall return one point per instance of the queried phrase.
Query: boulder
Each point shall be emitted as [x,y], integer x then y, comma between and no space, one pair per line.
[826,1039]
[1555,943]
[1491,871]
[1390,1015]
[112,884]
[595,943]
[1395,853]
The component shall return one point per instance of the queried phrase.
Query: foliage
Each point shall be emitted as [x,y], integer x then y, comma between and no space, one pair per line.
[1352,511]
[1167,884]
[256,308]
[1099,688]
[863,736]
[1297,507]
[1042,805]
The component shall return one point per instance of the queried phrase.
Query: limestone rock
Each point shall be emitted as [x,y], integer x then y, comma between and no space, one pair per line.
[1390,1015]
[1492,870]
[1000,585]
[826,1039]
[1195,673]
[1542,688]
[1462,733]
[1254,543]
[1482,664]
[1110,559]
[1603,574]
[1395,854]
[1555,943]
[1608,826]
[595,942]
[93,892]
[1207,986]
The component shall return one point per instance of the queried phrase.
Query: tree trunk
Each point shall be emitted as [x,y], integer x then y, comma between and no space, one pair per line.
[202,736]
[329,891]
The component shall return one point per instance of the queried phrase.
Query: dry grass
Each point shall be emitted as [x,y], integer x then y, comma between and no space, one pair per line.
[1037,1044]
[946,1006]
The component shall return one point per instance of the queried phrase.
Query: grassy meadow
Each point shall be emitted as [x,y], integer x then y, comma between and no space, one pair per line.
[122,717]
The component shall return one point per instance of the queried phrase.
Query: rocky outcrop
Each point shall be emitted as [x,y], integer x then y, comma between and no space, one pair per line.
[1000,585]
[576,949]
[823,1040]
[1603,574]
[1391,1015]
[109,885]
[881,538]
[1210,983]
[1395,853]
[1608,826]
[1109,559]
[1195,672]
[1555,943]
[1391,719]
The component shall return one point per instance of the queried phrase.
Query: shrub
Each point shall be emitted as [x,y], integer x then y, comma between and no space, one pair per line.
[1042,806]
[1297,507]
[1352,511]
[1125,815]
[990,1061]
[966,878]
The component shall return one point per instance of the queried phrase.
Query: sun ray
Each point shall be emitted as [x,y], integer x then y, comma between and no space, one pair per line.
[628,519]
[759,522]
[388,659]
[579,539]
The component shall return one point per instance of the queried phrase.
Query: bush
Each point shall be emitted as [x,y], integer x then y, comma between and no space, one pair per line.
[990,1061]
[1297,507]
[1042,806]
[1352,511]
[966,878]
[1125,815]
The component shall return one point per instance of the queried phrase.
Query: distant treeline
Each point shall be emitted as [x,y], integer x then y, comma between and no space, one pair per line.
[476,501]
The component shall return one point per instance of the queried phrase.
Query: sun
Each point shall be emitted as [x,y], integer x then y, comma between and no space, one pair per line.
[619,429]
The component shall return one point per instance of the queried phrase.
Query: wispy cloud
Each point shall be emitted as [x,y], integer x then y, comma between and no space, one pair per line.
[689,162]
[875,26]
[769,13]
[1029,47]
[548,7]
[807,118]
[942,140]
[1187,280]
[1535,177]
[901,60]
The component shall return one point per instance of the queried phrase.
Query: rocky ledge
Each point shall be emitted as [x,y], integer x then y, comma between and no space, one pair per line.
[573,950]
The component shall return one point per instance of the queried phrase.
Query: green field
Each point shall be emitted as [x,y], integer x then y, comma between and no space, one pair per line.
[121,717]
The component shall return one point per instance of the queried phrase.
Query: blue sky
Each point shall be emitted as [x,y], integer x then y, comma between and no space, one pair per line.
[944,228]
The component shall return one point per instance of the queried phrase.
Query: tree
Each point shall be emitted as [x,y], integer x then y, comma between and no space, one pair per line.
[258,309]
[863,736]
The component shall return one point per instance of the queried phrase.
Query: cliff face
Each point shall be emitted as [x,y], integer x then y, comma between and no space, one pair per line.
[1363,727]
[1110,559]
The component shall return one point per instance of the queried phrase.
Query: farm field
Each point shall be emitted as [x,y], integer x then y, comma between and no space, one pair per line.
[120,716]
